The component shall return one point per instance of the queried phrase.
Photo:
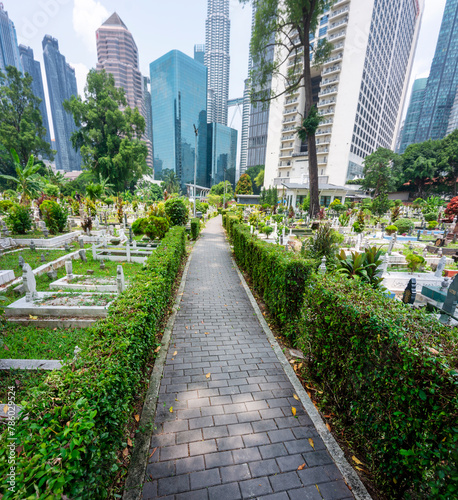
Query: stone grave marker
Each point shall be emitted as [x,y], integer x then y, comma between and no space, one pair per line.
[391,245]
[445,285]
[33,246]
[440,267]
[42,258]
[418,235]
[81,242]
[102,265]
[69,269]
[82,254]
[410,292]
[30,284]
[46,232]
[120,279]
[67,247]
[451,300]
[323,265]
[21,261]
[52,275]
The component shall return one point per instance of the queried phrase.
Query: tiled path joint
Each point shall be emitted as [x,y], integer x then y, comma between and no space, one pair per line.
[224,427]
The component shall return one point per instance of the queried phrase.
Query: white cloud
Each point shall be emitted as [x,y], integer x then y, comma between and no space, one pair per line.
[81,71]
[88,15]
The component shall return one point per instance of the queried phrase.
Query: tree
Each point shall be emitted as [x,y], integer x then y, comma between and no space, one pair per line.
[218,189]
[253,172]
[109,132]
[21,125]
[286,27]
[244,185]
[378,171]
[419,164]
[448,159]
[29,183]
[170,181]
[259,179]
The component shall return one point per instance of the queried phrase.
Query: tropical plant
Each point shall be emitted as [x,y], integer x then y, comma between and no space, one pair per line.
[344,219]
[54,215]
[391,229]
[244,185]
[177,211]
[323,244]
[404,225]
[19,219]
[267,230]
[363,266]
[170,181]
[415,262]
[156,227]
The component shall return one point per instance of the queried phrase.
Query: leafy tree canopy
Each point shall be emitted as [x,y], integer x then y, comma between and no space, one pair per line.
[253,172]
[244,185]
[218,189]
[109,132]
[379,171]
[170,181]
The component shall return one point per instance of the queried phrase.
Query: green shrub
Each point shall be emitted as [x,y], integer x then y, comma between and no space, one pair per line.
[390,376]
[195,228]
[156,228]
[54,215]
[77,418]
[139,226]
[108,201]
[431,216]
[363,266]
[323,244]
[19,219]
[279,276]
[415,262]
[177,211]
[5,205]
[404,225]
[432,224]
[391,229]
[51,190]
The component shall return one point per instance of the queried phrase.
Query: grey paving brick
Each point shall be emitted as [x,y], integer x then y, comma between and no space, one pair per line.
[193,495]
[264,468]
[285,481]
[246,455]
[253,488]
[235,473]
[219,459]
[229,443]
[172,452]
[190,464]
[290,462]
[230,491]
[172,485]
[202,447]
[205,478]
[273,450]
[160,469]
[314,458]
[335,490]
[307,493]
[189,436]
[281,436]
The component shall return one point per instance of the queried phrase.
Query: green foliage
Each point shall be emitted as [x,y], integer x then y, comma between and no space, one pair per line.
[391,229]
[419,164]
[363,266]
[432,216]
[306,203]
[195,228]
[54,215]
[202,207]
[139,226]
[379,174]
[360,223]
[279,276]
[108,201]
[94,191]
[177,211]
[432,224]
[156,227]
[51,190]
[344,219]
[415,262]
[81,412]
[395,213]
[254,172]
[269,196]
[380,205]
[19,219]
[244,185]
[323,244]
[309,124]
[337,206]
[218,189]
[404,225]
[267,230]
[5,205]
[108,132]
[390,375]
[170,182]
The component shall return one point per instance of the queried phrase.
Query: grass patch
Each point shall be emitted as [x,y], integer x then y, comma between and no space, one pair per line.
[23,381]
[35,234]
[11,260]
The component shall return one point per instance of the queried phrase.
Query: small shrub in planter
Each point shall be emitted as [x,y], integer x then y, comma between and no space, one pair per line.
[432,216]
[195,226]
[108,201]
[267,230]
[391,229]
[54,215]
[404,225]
[432,224]
[19,219]
[177,211]
[415,262]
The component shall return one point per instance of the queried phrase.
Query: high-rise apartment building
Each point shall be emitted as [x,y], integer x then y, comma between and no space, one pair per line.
[148,114]
[61,86]
[443,79]
[412,120]
[222,153]
[217,59]
[33,68]
[9,51]
[245,128]
[358,91]
[453,121]
[179,102]
[117,54]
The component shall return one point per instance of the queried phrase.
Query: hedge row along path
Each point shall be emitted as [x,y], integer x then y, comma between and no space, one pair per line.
[224,426]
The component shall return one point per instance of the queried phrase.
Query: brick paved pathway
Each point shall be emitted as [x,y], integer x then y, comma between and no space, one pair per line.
[231,433]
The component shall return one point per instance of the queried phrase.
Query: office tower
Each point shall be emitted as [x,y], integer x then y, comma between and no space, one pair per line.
[359,92]
[179,102]
[222,153]
[61,86]
[117,54]
[245,128]
[443,79]
[413,114]
[199,53]
[9,51]
[33,68]
[453,121]
[217,59]
[148,114]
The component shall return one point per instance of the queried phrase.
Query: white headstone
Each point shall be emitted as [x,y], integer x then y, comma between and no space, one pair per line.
[30,284]
[94,252]
[128,252]
[69,269]
[120,279]
[440,267]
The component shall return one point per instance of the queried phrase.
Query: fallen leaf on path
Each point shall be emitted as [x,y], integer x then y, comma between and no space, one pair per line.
[208,375]
[328,427]
[129,442]
[301,467]
[356,460]
[157,349]
[295,397]
[171,409]
[293,410]
[175,353]
[206,333]
[125,452]
[137,418]
[312,444]
[153,452]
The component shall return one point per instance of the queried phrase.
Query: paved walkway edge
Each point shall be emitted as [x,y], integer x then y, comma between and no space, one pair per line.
[351,478]
[136,473]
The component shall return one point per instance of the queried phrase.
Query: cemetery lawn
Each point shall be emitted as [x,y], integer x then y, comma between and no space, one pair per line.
[22,380]
[11,260]
[35,234]
[30,342]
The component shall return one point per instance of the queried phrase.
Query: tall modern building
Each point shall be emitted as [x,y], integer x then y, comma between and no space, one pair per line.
[33,68]
[245,128]
[61,86]
[9,51]
[148,114]
[217,59]
[179,102]
[199,53]
[359,92]
[117,54]
[413,114]
[222,153]
[443,79]
[453,121]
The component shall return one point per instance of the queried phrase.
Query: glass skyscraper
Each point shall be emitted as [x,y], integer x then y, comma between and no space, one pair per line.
[199,53]
[222,153]
[443,79]
[217,59]
[9,51]
[61,86]
[33,68]
[413,114]
[179,101]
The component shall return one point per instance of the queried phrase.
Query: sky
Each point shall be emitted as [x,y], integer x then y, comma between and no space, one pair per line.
[159,26]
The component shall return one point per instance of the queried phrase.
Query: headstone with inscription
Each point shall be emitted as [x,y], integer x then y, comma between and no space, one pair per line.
[410,292]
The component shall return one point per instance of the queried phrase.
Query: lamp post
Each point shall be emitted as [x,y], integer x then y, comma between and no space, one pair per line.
[195,169]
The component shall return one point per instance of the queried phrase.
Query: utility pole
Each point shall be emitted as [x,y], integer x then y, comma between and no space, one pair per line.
[195,170]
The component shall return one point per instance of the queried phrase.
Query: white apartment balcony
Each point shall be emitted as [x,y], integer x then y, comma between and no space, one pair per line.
[286,156]
[321,142]
[279,181]
[338,24]
[340,2]
[326,102]
[326,112]
[282,165]
[329,91]
[287,129]
[339,12]
[332,59]
[291,100]
[289,111]
[290,120]
[329,81]
[337,46]
[331,70]
[326,122]
[322,151]
[296,53]
[321,131]
[287,138]
[322,161]
[337,36]
[286,147]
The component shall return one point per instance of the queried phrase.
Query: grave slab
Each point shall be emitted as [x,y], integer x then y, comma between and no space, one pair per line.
[30,364]
[6,276]
[85,283]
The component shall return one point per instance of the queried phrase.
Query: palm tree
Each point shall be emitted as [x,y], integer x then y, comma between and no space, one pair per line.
[170,181]
[106,186]
[29,183]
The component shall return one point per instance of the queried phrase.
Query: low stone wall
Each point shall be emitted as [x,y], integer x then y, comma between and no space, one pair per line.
[56,241]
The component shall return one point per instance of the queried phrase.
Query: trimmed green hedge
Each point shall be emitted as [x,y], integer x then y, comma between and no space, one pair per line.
[379,361]
[278,275]
[77,418]
[195,227]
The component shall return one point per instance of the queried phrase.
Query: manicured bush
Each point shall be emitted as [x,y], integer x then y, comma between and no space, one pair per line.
[404,225]
[153,227]
[195,227]
[19,219]
[415,262]
[54,215]
[77,417]
[432,216]
[5,205]
[177,211]
[390,376]
[279,276]
[139,226]
[391,229]
[432,224]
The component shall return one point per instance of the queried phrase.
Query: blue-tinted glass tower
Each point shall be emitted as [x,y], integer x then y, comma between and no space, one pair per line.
[222,153]
[61,86]
[179,101]
[443,79]
[9,51]
[412,120]
[33,68]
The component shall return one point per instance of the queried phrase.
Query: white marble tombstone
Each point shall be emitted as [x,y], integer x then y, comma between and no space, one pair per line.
[30,284]
[120,282]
